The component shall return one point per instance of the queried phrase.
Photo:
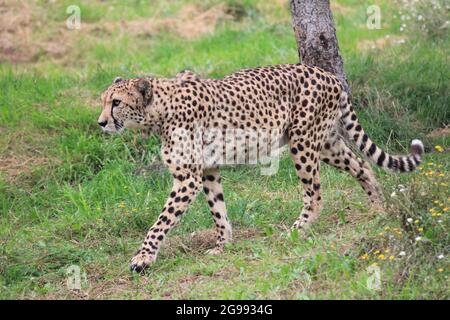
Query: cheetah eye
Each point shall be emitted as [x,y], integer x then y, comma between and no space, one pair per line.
[115,103]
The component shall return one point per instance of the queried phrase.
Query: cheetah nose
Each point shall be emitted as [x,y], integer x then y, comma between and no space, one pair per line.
[102,123]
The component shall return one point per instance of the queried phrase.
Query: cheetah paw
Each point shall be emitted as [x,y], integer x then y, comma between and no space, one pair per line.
[299,225]
[214,251]
[303,228]
[141,260]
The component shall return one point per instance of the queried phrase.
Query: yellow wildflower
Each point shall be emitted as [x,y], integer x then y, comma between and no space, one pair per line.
[440,270]
[391,258]
[439,148]
[381,257]
[365,256]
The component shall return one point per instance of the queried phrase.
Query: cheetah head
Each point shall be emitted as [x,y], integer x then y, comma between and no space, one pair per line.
[124,104]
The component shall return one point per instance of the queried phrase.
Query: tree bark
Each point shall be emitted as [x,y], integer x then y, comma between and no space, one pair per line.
[315,33]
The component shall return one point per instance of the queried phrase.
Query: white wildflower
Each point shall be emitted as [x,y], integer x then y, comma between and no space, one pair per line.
[402,253]
[418,238]
[393,194]
[441,256]
[409,220]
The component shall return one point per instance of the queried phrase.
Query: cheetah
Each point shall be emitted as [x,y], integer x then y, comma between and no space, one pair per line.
[301,106]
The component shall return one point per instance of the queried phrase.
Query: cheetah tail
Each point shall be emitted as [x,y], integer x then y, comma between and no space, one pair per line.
[376,154]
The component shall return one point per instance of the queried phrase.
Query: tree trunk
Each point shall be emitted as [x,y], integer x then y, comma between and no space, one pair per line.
[315,33]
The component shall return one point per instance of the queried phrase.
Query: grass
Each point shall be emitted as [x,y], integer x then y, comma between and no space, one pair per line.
[70,195]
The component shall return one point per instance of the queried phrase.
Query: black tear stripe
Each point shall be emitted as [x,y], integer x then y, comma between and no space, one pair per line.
[115,121]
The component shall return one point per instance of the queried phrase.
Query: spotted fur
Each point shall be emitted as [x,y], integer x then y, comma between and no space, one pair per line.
[305,105]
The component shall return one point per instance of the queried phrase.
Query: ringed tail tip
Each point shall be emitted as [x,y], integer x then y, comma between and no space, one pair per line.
[417,147]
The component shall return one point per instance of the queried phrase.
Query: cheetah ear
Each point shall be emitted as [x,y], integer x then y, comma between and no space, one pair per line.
[117,80]
[185,76]
[143,86]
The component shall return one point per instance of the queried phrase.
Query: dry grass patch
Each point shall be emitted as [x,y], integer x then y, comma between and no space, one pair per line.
[191,22]
[440,133]
[23,36]
[20,28]
[21,153]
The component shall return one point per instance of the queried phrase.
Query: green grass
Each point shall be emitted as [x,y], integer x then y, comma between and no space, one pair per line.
[70,195]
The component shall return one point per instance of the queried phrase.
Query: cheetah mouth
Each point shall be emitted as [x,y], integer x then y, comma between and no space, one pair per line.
[109,131]
[112,130]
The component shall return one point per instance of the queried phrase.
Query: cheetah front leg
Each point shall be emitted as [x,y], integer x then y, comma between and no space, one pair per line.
[212,187]
[186,186]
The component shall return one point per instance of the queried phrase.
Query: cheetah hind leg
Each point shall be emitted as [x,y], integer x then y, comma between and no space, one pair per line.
[212,187]
[340,156]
